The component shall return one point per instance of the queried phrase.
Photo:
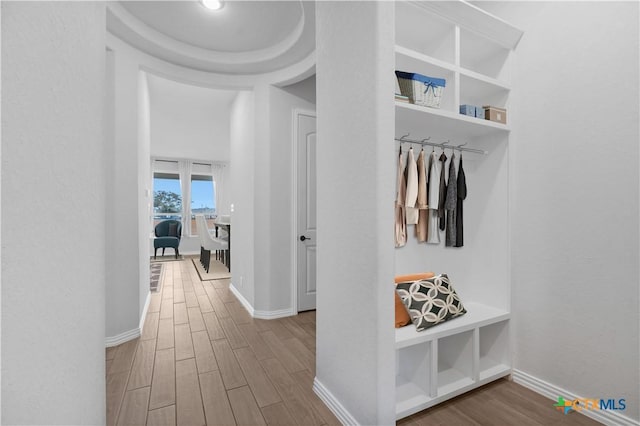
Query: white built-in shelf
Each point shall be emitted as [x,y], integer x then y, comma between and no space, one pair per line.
[409,395]
[473,51]
[408,56]
[410,59]
[450,380]
[477,315]
[422,122]
[489,370]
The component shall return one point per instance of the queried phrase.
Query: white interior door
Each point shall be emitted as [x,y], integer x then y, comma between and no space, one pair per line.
[306,251]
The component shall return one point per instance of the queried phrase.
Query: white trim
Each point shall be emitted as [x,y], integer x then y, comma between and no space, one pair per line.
[333,404]
[244,302]
[297,112]
[122,338]
[552,392]
[130,334]
[143,317]
[281,313]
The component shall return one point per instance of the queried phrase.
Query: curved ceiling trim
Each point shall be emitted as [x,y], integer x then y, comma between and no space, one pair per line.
[152,64]
[180,49]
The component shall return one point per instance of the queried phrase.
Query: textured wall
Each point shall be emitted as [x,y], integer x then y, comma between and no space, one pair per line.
[575,207]
[242,184]
[125,166]
[278,233]
[355,172]
[188,122]
[53,211]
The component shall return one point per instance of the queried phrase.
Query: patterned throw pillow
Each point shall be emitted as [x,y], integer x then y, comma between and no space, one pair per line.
[431,301]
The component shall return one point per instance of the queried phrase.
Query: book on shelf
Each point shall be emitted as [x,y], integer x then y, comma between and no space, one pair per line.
[402,98]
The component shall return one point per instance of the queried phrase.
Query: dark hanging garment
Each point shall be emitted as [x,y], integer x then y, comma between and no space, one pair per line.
[462,194]
[451,203]
[443,191]
[400,226]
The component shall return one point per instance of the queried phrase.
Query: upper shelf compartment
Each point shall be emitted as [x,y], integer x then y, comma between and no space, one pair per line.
[468,16]
[481,55]
[470,40]
[424,33]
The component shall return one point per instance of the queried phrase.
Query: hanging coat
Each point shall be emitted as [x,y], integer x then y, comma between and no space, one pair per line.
[411,199]
[423,209]
[400,225]
[462,194]
[433,236]
[443,191]
[450,204]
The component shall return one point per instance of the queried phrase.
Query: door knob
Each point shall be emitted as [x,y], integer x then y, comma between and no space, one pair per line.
[303,238]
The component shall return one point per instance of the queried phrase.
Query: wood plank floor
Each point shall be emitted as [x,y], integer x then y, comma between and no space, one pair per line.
[202,360]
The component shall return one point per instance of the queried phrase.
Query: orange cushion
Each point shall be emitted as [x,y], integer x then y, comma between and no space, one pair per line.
[402,316]
[414,277]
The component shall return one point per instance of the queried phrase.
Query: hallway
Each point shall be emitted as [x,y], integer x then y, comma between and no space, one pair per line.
[203,360]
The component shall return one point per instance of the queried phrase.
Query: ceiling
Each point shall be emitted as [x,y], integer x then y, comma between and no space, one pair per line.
[244,37]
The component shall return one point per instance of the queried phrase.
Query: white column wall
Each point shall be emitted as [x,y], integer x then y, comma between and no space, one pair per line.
[241,194]
[575,198]
[262,194]
[53,211]
[123,289]
[144,193]
[281,106]
[355,162]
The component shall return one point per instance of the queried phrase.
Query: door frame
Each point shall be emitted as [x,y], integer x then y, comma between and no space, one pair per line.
[297,112]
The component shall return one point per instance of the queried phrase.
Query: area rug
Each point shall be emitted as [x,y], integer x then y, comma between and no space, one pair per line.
[167,258]
[217,270]
[156,276]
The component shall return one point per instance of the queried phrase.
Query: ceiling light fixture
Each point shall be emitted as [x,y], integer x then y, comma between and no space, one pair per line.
[212,4]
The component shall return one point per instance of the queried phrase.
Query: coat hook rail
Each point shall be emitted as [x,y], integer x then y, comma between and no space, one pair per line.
[441,145]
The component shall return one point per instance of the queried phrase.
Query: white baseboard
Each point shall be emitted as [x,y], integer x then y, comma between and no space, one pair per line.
[122,337]
[273,314]
[244,302]
[281,313]
[130,334]
[333,404]
[144,312]
[551,391]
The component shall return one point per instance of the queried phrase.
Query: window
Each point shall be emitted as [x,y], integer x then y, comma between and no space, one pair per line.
[184,188]
[203,200]
[167,197]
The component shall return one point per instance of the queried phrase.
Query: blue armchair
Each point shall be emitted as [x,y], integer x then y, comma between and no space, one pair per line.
[168,233]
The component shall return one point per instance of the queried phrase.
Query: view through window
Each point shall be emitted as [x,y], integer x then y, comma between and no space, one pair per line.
[167,197]
[202,200]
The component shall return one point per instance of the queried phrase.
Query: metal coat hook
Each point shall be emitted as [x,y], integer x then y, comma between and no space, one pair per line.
[404,139]
[459,147]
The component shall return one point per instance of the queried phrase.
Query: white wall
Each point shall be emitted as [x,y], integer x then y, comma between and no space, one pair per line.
[189,121]
[53,179]
[575,207]
[125,166]
[280,234]
[241,195]
[355,166]
[268,154]
[145,199]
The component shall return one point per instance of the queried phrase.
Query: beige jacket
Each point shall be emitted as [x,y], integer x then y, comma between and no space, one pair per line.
[411,200]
